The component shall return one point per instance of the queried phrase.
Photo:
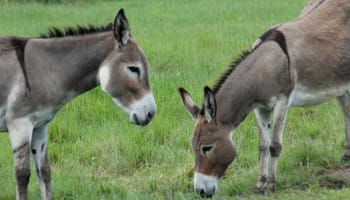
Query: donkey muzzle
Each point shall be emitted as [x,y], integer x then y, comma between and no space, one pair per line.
[204,185]
[143,111]
[135,119]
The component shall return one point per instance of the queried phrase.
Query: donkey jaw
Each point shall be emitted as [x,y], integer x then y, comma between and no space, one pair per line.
[140,112]
[205,185]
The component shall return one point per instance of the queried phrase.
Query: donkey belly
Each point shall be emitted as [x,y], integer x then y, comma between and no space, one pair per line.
[306,96]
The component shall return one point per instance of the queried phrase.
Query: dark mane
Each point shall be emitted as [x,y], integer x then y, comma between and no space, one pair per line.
[232,66]
[55,32]
[270,35]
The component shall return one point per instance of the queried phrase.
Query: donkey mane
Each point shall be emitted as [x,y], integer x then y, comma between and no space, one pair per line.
[230,69]
[55,32]
[270,35]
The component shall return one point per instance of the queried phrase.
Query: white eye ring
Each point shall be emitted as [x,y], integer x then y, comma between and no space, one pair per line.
[206,149]
[134,71]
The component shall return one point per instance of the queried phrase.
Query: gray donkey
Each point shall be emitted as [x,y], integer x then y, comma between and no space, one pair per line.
[300,63]
[40,75]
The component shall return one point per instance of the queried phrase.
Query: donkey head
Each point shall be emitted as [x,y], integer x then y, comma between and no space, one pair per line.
[211,142]
[124,75]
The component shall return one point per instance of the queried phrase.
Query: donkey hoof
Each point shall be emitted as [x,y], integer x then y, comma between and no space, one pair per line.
[345,159]
[262,191]
[272,187]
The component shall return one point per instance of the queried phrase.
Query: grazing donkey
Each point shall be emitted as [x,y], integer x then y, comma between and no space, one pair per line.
[39,75]
[300,63]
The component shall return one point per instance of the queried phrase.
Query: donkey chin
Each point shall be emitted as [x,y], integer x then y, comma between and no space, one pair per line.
[141,112]
[205,185]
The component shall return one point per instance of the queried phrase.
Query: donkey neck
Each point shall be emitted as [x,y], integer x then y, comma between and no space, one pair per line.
[256,80]
[73,60]
[236,96]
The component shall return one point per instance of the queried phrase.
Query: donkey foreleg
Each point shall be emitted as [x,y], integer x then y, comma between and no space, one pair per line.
[20,131]
[279,119]
[344,102]
[263,119]
[42,166]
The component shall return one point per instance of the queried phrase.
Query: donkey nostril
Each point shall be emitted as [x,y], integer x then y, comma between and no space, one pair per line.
[202,192]
[214,190]
[135,119]
[149,115]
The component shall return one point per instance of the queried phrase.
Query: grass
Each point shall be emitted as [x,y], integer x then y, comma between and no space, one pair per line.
[96,154]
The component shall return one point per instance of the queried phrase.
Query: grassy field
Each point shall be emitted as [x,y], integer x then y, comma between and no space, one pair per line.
[96,154]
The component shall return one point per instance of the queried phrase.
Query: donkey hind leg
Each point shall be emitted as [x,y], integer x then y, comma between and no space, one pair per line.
[344,102]
[42,166]
[279,119]
[20,131]
[263,118]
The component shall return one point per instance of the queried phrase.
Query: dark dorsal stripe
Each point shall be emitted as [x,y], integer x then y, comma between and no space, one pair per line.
[76,31]
[314,8]
[279,38]
[310,11]
[270,35]
[19,46]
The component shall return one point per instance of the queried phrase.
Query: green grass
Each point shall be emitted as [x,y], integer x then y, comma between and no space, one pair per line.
[96,154]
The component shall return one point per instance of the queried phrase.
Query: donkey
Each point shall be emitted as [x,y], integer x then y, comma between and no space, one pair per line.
[40,75]
[300,63]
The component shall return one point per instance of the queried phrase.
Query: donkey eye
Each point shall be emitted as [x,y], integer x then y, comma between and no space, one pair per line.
[206,149]
[135,70]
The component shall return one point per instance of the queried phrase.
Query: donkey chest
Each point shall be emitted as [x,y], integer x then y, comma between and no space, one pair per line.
[308,96]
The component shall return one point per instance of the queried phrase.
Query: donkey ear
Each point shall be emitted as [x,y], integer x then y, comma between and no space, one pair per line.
[209,105]
[121,28]
[189,103]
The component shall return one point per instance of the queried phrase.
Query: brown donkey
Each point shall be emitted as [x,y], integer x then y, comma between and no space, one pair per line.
[39,75]
[300,63]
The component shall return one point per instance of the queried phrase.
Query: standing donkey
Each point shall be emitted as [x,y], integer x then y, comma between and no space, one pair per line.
[300,63]
[39,75]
